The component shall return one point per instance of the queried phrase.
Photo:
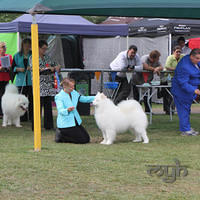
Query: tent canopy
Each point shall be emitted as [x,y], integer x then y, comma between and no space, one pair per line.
[158,26]
[139,8]
[54,19]
[62,24]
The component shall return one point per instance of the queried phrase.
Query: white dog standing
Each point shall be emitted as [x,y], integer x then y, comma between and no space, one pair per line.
[112,119]
[13,106]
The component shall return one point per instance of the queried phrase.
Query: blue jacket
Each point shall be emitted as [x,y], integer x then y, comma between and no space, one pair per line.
[63,101]
[21,76]
[186,79]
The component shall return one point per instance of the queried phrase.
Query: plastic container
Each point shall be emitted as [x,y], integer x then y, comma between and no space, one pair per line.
[111,85]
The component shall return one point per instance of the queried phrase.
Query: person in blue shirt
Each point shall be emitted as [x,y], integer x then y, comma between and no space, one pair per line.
[22,70]
[69,128]
[185,89]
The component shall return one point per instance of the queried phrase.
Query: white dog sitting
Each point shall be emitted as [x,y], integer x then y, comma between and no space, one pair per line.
[13,106]
[112,119]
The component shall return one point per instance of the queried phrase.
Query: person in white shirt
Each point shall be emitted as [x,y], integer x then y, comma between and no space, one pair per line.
[184,49]
[125,61]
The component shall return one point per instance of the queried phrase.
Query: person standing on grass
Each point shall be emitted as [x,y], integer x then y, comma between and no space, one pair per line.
[152,64]
[125,61]
[22,69]
[170,65]
[185,89]
[184,49]
[69,128]
[47,67]
[5,73]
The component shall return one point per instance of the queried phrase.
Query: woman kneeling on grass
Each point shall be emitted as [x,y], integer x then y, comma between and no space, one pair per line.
[69,127]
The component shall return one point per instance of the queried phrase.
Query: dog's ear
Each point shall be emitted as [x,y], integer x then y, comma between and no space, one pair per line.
[103,96]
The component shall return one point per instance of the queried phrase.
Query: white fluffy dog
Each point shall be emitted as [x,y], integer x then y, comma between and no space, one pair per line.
[112,119]
[13,106]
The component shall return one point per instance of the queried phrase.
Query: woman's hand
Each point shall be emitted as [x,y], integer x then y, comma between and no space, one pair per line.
[20,69]
[70,109]
[197,91]
[57,68]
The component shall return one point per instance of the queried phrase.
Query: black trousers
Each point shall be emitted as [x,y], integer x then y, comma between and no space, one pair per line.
[77,135]
[124,89]
[135,93]
[46,102]
[167,101]
[2,90]
[27,91]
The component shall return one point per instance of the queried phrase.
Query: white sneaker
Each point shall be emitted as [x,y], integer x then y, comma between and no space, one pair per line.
[196,132]
[189,133]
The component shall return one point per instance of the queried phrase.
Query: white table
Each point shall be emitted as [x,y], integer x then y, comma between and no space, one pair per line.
[145,90]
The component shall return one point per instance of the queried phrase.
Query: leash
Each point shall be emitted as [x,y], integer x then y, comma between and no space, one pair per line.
[23,82]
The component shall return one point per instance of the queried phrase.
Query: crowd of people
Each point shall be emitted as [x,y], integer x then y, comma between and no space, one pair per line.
[184,63]
[20,72]
[186,80]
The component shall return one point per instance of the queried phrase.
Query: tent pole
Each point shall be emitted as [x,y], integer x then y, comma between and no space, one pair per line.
[18,41]
[127,42]
[36,85]
[170,45]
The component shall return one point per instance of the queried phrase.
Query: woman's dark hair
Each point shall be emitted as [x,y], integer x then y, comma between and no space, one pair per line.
[133,47]
[195,52]
[176,47]
[42,43]
[24,41]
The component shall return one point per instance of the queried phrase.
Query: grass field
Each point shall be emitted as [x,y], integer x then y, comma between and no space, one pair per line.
[97,172]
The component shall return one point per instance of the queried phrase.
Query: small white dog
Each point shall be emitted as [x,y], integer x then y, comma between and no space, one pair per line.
[13,106]
[112,119]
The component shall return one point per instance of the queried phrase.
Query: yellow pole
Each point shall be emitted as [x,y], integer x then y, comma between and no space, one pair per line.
[36,87]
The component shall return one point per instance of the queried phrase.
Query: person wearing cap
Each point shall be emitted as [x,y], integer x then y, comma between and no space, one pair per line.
[5,76]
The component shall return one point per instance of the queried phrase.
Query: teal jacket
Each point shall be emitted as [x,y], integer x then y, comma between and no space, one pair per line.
[21,77]
[63,101]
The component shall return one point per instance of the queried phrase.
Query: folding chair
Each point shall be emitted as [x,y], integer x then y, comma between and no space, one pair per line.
[112,87]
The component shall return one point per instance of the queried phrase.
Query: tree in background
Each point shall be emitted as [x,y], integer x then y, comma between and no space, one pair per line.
[95,19]
[8,17]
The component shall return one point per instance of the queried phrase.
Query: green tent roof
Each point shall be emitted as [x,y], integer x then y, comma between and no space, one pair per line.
[140,8]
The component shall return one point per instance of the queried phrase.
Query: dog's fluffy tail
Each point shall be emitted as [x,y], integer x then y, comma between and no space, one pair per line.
[10,88]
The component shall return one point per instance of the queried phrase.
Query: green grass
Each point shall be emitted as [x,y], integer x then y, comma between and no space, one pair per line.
[97,172]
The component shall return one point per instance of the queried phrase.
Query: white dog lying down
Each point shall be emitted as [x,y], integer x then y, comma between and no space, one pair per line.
[13,106]
[112,119]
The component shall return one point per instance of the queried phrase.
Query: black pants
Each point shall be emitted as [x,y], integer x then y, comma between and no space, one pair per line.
[2,90]
[124,89]
[46,102]
[27,91]
[135,93]
[167,101]
[77,135]
[146,106]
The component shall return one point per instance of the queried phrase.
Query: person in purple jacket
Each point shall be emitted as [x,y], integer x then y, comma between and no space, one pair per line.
[185,89]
